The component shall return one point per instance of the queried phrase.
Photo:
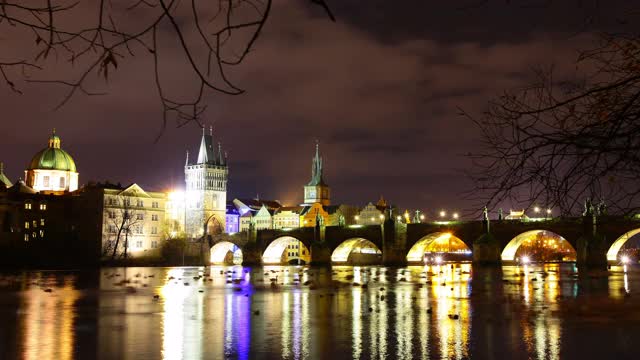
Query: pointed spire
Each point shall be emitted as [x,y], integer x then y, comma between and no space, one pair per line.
[206,153]
[316,168]
[220,154]
[186,162]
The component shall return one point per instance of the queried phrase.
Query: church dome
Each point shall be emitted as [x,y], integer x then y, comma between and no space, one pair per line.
[52,157]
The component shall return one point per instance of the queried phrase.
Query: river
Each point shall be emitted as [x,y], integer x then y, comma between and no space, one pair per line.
[451,311]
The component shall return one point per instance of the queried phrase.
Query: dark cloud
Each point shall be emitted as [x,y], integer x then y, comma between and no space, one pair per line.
[380,89]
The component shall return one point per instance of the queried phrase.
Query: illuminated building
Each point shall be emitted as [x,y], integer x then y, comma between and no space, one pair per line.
[232,219]
[206,189]
[517,215]
[287,217]
[130,217]
[52,170]
[370,215]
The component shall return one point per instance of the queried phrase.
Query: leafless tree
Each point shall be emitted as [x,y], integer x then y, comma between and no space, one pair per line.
[560,141]
[95,36]
[123,218]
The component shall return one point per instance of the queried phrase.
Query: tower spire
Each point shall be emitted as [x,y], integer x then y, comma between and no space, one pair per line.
[186,162]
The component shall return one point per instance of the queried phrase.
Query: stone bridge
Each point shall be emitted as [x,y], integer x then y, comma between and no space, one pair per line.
[596,241]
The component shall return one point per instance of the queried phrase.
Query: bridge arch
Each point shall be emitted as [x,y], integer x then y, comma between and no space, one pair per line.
[542,238]
[357,250]
[285,250]
[225,253]
[612,254]
[437,242]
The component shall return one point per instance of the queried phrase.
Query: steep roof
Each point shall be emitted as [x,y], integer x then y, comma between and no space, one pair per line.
[21,187]
[4,180]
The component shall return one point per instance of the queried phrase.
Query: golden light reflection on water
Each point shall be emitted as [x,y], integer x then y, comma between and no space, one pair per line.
[49,321]
[357,312]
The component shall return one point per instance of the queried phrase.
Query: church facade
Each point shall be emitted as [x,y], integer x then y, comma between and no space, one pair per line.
[206,189]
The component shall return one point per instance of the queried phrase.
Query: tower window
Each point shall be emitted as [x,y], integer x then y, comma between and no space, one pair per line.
[43,207]
[45,181]
[27,206]
[62,183]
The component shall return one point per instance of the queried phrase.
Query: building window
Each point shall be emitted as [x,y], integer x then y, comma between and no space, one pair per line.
[139,244]
[41,222]
[45,181]
[154,244]
[112,229]
[139,216]
[43,207]
[42,233]
[62,183]
[27,206]
[127,202]
[154,230]
[26,237]
[112,214]
[26,224]
[140,203]
[138,229]
[155,205]
[154,217]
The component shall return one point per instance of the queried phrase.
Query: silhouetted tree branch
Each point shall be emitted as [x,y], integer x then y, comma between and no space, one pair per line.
[558,141]
[96,36]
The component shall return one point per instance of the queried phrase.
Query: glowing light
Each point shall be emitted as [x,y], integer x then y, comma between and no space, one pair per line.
[549,211]
[421,217]
[438,259]
[443,214]
[536,209]
[358,245]
[455,216]
[399,218]
[381,217]
[176,195]
[373,219]
[357,217]
[525,260]
[624,259]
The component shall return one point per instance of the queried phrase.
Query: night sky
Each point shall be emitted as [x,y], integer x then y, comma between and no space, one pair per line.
[380,90]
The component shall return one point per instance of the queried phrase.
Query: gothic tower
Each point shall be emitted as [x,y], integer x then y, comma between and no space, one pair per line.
[206,189]
[316,191]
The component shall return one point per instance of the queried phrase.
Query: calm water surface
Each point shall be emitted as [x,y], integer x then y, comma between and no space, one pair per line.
[438,312]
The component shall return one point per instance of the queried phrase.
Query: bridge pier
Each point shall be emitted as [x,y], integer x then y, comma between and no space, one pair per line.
[394,238]
[591,249]
[487,250]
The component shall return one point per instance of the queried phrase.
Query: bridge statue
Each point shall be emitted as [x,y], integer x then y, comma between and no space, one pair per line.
[500,214]
[588,208]
[319,219]
[341,220]
[485,214]
[602,208]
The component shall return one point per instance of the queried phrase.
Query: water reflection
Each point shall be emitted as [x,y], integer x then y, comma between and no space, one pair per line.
[450,311]
[49,318]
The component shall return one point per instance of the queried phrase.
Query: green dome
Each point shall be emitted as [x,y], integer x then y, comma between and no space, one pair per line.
[53,157]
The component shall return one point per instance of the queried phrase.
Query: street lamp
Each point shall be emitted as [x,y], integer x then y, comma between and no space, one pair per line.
[422,217]
[536,209]
[455,216]
[443,213]
[399,218]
